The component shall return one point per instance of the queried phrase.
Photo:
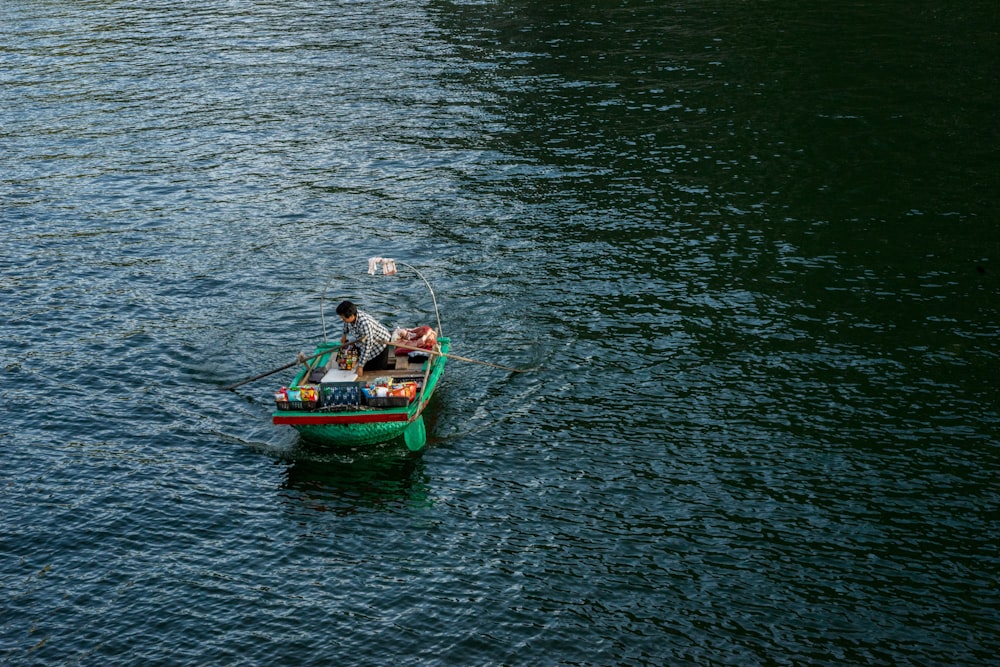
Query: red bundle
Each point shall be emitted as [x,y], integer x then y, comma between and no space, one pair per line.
[421,337]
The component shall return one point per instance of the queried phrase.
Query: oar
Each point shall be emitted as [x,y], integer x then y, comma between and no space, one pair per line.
[455,356]
[273,371]
[405,347]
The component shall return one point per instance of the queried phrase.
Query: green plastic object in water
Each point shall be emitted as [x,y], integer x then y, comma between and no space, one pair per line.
[415,435]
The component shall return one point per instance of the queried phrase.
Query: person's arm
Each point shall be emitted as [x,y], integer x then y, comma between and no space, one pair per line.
[368,347]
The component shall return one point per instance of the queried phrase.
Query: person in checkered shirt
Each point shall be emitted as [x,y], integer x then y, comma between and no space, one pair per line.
[368,334]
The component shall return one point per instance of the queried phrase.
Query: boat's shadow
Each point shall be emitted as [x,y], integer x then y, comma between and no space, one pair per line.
[348,481]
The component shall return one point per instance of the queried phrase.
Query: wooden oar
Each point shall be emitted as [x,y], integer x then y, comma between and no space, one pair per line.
[455,356]
[273,371]
[405,347]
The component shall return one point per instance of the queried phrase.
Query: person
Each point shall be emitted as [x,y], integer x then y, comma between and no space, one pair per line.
[369,335]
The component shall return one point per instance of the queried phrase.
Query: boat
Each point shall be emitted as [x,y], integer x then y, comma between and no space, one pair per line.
[328,405]
[343,412]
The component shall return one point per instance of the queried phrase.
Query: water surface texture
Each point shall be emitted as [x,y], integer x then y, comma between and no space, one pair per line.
[751,250]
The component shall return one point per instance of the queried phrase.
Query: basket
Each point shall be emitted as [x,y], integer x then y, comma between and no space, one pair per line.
[340,393]
[394,400]
[297,406]
[387,401]
[299,399]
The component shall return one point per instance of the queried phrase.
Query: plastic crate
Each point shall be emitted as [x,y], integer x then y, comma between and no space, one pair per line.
[340,393]
[316,374]
[387,401]
[297,406]
[298,399]
[394,400]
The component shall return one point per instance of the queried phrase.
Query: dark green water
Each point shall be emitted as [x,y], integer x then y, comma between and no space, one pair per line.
[752,248]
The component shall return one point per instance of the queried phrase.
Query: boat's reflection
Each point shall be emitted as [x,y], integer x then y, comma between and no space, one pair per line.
[346,482]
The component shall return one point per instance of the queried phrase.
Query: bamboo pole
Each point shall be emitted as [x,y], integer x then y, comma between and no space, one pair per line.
[457,357]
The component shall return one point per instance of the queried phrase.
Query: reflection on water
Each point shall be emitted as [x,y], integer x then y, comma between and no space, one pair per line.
[326,480]
[750,247]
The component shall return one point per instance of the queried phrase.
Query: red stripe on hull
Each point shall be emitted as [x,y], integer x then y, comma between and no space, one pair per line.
[360,418]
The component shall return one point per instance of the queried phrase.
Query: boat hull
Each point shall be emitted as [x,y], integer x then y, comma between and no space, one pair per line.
[351,435]
[367,427]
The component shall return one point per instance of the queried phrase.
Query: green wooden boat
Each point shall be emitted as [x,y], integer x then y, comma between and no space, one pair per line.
[340,412]
[342,415]
[328,408]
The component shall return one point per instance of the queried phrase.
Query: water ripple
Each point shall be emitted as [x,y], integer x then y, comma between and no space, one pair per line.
[755,290]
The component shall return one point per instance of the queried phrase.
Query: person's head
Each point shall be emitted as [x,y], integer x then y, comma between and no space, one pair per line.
[347,311]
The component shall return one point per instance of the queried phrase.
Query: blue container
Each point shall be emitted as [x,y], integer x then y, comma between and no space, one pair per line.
[340,393]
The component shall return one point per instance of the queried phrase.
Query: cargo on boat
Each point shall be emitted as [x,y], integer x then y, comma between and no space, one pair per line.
[328,405]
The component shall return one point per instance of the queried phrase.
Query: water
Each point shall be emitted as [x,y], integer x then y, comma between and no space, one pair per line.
[751,249]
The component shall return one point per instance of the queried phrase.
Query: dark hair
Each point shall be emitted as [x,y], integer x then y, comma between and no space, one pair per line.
[347,309]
